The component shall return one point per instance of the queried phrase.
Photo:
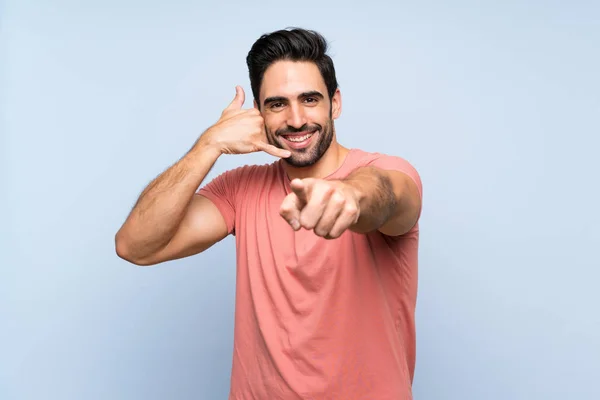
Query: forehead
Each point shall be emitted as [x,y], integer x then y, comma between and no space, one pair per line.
[289,78]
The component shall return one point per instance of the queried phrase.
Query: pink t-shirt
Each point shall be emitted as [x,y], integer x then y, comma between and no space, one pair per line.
[317,318]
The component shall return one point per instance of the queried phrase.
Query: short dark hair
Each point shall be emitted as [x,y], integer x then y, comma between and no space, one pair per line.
[293,44]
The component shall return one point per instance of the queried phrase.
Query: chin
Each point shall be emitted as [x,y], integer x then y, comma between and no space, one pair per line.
[304,157]
[301,161]
[311,153]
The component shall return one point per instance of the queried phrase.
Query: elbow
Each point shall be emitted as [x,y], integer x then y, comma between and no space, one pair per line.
[123,250]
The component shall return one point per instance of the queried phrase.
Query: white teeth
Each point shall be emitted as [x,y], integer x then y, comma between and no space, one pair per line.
[299,138]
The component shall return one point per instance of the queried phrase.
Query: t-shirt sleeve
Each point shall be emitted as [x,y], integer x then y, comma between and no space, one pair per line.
[222,192]
[387,162]
[395,163]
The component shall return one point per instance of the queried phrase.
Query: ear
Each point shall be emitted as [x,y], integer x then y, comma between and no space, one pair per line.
[336,104]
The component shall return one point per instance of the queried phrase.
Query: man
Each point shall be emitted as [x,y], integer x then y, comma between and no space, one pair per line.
[326,236]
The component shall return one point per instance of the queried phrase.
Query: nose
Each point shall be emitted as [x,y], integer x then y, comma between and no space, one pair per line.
[296,117]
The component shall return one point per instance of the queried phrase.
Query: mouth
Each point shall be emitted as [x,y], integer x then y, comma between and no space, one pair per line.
[299,140]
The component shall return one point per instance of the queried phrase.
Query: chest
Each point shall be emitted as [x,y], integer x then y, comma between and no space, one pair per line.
[268,246]
[260,225]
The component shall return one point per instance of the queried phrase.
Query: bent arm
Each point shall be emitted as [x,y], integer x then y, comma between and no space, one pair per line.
[169,220]
[389,201]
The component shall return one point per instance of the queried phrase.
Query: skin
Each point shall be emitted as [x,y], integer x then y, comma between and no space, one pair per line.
[294,95]
[294,98]
[170,221]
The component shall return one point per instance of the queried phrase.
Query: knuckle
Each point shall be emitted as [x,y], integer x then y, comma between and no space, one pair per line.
[286,207]
[351,209]
[324,190]
[328,187]
[337,198]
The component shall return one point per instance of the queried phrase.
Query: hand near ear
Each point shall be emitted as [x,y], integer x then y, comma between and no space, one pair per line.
[240,131]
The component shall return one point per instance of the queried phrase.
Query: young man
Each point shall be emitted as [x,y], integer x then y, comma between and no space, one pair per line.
[326,236]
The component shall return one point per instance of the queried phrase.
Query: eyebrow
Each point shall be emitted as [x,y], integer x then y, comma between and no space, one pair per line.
[312,93]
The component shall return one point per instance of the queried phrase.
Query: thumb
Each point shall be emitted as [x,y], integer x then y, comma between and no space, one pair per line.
[238,100]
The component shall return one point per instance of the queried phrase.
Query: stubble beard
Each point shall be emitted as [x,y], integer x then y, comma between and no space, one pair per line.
[307,156]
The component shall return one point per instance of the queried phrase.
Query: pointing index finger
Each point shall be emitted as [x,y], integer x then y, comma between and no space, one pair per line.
[299,187]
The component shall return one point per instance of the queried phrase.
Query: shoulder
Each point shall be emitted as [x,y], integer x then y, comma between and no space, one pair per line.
[386,161]
[363,158]
[248,175]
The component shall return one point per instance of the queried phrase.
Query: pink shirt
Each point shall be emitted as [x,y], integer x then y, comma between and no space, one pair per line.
[317,318]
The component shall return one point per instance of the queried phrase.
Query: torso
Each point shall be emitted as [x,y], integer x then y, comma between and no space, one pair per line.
[319,318]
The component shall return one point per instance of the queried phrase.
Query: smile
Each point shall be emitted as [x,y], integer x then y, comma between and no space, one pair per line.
[299,138]
[298,141]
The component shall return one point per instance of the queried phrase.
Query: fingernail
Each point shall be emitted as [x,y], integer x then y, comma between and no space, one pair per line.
[295,224]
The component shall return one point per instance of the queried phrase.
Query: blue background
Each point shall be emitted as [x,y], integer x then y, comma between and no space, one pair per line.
[496,103]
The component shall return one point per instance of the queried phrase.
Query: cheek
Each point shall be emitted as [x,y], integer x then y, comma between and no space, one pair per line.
[320,114]
[274,123]
[272,129]
[269,125]
[320,120]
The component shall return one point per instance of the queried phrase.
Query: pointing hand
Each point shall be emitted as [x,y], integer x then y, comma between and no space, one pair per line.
[327,207]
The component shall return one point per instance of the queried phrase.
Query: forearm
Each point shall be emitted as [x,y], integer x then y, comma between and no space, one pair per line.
[161,207]
[376,198]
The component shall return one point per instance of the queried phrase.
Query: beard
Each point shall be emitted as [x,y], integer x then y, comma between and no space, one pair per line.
[321,140]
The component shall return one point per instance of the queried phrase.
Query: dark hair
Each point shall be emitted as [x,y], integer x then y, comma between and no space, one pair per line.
[293,44]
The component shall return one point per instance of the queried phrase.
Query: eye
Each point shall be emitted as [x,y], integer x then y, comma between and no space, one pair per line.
[310,100]
[276,105]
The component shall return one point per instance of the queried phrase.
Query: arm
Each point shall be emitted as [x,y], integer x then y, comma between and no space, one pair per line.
[383,196]
[169,221]
[388,200]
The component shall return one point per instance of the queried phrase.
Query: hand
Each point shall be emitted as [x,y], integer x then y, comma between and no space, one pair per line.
[241,131]
[327,207]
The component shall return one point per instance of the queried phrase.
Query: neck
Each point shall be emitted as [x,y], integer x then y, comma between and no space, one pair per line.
[331,160]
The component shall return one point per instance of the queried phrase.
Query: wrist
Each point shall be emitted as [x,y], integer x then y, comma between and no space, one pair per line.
[202,152]
[355,191]
[208,143]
